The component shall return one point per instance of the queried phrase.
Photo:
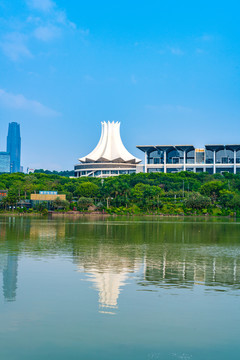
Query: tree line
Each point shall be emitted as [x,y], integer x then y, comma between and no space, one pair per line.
[180,193]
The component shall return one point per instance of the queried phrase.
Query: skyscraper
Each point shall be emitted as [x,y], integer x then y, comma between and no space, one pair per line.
[4,162]
[14,146]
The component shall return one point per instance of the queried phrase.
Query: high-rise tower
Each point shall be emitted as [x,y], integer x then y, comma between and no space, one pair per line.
[14,146]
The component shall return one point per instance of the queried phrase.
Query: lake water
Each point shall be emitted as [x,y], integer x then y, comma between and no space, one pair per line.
[119,288]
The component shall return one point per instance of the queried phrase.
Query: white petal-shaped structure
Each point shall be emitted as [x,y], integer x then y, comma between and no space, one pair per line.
[110,157]
[110,147]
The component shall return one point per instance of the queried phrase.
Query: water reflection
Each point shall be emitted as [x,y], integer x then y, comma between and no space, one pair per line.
[10,278]
[107,251]
[9,269]
[108,271]
[165,269]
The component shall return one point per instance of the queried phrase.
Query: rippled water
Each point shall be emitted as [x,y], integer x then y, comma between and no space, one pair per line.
[119,288]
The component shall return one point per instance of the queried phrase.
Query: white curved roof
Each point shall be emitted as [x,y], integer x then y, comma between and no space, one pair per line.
[110,146]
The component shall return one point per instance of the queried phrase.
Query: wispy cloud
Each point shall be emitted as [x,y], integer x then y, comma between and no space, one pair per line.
[50,11]
[44,22]
[47,33]
[20,102]
[176,51]
[206,38]
[200,51]
[14,46]
[41,5]
[168,108]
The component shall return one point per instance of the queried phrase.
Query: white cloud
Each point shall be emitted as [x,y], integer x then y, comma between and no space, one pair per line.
[50,10]
[84,32]
[20,102]
[45,22]
[41,5]
[47,33]
[14,46]
[176,51]
[61,18]
[206,38]
[34,20]
[167,108]
[200,51]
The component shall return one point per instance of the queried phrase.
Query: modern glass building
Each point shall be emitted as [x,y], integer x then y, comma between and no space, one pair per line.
[4,162]
[174,158]
[14,146]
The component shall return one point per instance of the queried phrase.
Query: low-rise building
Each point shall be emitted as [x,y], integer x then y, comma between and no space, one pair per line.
[46,196]
[3,194]
[174,158]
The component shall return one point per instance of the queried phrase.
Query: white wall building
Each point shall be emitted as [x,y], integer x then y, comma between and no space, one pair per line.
[110,157]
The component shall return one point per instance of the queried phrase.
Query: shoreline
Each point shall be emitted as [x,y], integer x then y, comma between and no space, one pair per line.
[77,214]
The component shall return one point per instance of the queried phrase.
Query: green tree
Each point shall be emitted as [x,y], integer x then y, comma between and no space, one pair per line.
[87,189]
[60,204]
[84,203]
[12,198]
[147,196]
[197,201]
[235,202]
[212,189]
[225,197]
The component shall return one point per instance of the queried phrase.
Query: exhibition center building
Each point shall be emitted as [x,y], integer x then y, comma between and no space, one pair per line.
[110,157]
[174,158]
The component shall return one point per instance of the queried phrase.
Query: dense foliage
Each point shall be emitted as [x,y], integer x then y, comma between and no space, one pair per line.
[54,172]
[181,193]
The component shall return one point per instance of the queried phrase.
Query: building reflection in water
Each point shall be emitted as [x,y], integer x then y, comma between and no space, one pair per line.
[109,272]
[159,255]
[109,284]
[10,271]
[17,235]
[186,271]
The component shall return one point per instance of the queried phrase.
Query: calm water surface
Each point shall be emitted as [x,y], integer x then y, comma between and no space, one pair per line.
[119,288]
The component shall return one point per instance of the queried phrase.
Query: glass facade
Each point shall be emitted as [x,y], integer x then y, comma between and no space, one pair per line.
[190,157]
[14,146]
[156,157]
[220,170]
[211,159]
[224,157]
[174,170]
[200,156]
[238,157]
[103,173]
[209,156]
[4,162]
[155,170]
[175,157]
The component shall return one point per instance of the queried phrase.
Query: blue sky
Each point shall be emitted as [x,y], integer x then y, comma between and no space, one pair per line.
[169,71]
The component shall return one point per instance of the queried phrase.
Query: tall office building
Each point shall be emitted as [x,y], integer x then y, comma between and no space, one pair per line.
[4,162]
[14,146]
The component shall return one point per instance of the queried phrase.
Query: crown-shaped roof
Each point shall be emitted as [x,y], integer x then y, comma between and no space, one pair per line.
[110,147]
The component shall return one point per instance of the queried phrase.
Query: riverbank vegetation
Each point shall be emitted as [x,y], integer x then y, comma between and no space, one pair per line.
[184,193]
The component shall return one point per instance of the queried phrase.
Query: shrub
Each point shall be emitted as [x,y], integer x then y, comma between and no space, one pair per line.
[84,203]
[197,201]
